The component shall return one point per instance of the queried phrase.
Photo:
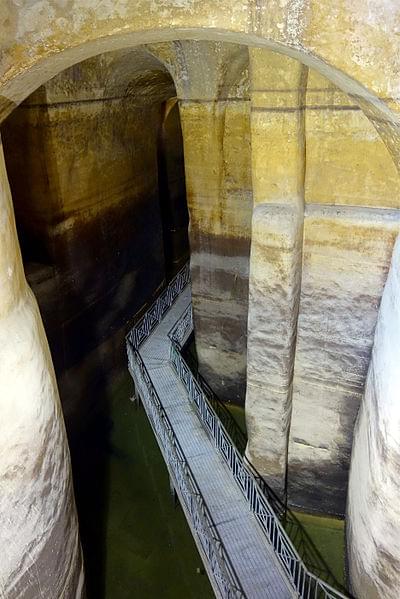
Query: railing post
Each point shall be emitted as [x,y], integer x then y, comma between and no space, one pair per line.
[135,397]
[173,492]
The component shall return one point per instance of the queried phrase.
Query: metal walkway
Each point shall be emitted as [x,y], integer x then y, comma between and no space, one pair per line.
[245,552]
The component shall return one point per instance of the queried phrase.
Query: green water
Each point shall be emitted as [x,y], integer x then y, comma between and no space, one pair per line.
[328,537]
[238,414]
[137,542]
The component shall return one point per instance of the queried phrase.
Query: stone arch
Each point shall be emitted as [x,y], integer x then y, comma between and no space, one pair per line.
[40,42]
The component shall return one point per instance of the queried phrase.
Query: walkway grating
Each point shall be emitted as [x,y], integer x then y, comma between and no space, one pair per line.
[253,560]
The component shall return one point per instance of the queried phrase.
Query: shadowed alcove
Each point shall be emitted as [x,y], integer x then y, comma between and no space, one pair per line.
[102,222]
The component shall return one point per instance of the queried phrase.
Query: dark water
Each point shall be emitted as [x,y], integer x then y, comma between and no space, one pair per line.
[137,541]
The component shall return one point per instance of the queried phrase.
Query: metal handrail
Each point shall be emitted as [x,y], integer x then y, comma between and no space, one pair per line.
[201,520]
[154,314]
[307,584]
[299,537]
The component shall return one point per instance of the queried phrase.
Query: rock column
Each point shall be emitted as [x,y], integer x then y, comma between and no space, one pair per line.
[41,555]
[373,508]
[212,88]
[346,254]
[278,163]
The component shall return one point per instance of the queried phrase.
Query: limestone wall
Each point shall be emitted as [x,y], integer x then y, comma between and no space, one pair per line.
[347,161]
[91,146]
[319,259]
[346,256]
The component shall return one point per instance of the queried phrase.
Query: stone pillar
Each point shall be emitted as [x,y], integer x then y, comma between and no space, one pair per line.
[278,163]
[41,555]
[373,508]
[215,116]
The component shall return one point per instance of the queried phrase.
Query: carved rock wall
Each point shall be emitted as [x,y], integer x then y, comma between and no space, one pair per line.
[278,85]
[355,44]
[346,254]
[315,287]
[41,554]
[351,189]
[373,509]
